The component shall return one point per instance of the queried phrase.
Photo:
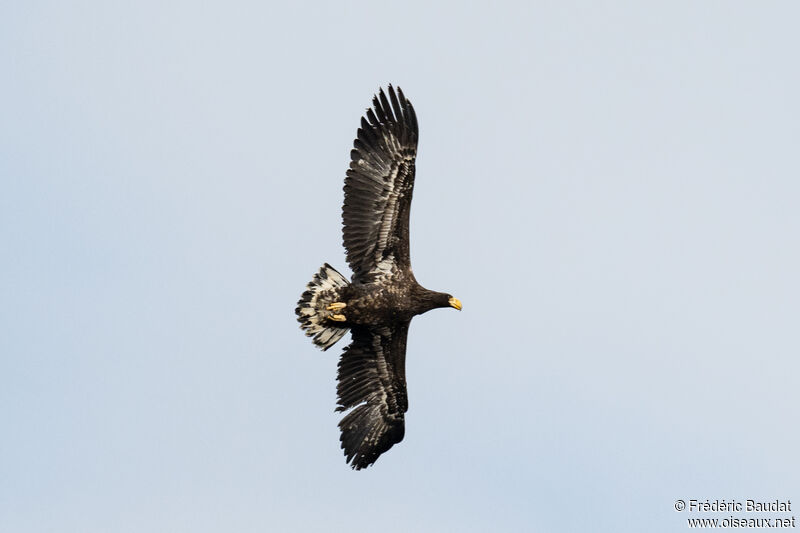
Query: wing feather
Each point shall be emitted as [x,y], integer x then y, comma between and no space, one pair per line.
[372,383]
[379,186]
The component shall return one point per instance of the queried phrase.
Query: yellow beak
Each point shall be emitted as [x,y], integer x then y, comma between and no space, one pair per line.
[455,302]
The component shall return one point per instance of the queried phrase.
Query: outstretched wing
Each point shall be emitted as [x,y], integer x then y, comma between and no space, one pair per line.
[372,382]
[378,188]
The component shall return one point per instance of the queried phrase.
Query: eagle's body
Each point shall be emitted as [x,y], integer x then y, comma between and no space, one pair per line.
[399,299]
[377,305]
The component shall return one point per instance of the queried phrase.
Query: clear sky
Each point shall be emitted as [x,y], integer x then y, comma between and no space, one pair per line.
[611,189]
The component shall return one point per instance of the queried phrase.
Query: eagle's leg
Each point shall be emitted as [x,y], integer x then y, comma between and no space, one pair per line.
[336,307]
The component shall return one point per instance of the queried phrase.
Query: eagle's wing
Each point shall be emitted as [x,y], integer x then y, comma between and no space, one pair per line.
[372,381]
[378,188]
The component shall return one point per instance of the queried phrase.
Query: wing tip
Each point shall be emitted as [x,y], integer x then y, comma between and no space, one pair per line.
[364,438]
[395,109]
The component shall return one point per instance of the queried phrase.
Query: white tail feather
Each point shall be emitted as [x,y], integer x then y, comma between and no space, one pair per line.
[312,312]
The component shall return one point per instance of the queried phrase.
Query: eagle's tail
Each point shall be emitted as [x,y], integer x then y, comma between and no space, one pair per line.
[312,312]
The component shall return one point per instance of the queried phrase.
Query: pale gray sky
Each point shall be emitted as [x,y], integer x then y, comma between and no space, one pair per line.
[611,189]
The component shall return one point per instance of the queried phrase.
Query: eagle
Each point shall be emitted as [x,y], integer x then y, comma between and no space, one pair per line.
[382,296]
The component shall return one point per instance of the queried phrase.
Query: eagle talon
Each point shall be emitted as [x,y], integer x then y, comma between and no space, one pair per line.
[336,306]
[337,318]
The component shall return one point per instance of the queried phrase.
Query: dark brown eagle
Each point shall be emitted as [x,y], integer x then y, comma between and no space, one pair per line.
[377,305]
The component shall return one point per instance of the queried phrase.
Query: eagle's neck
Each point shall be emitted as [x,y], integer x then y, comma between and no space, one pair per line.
[431,299]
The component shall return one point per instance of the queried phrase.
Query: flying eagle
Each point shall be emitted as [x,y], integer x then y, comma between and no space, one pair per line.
[382,297]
